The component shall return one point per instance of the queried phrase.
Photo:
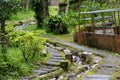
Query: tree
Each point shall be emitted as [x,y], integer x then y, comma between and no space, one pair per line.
[7,8]
[38,7]
[46,4]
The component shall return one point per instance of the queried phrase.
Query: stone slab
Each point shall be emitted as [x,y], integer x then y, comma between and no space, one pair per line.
[97,77]
[56,60]
[54,57]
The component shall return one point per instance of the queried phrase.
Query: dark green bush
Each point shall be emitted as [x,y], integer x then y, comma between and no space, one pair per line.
[57,25]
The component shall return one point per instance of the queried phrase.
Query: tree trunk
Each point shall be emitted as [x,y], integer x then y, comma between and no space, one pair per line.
[27,4]
[46,12]
[3,38]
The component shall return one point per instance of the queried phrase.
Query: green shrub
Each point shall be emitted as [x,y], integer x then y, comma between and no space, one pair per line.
[14,34]
[14,65]
[24,51]
[57,25]
[30,46]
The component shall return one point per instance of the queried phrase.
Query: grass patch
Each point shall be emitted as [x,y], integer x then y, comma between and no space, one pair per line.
[65,37]
[31,28]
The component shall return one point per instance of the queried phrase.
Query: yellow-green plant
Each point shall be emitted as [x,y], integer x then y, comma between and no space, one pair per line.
[31,46]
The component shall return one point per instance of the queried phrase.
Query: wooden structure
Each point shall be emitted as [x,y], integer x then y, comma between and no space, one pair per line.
[103,31]
[54,2]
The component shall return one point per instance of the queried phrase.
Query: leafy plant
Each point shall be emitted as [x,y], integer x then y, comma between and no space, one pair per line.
[31,46]
[57,25]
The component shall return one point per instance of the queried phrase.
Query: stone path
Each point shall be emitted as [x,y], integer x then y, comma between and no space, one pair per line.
[111,63]
[50,66]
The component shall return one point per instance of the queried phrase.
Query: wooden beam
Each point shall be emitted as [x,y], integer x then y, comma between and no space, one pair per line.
[103,23]
[93,22]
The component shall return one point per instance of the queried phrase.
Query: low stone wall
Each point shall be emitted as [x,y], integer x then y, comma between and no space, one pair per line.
[102,41]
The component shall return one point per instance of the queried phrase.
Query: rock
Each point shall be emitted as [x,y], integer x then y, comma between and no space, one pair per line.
[87,53]
[86,57]
[53,79]
[52,63]
[55,60]
[24,78]
[32,23]
[66,51]
[59,48]
[47,69]
[60,78]
[44,52]
[59,58]
[96,59]
[76,59]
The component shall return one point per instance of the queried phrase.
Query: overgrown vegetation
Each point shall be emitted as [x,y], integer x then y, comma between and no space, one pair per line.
[23,55]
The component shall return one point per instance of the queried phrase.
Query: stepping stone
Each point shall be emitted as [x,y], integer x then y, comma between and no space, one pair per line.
[55,60]
[47,69]
[97,77]
[51,63]
[108,65]
[56,55]
[24,78]
[59,58]
[51,67]
[39,71]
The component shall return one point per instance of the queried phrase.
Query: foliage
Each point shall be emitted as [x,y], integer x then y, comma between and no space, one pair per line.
[53,10]
[23,14]
[57,25]
[71,18]
[25,51]
[14,66]
[7,7]
[29,42]
[13,35]
[90,6]
[31,47]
